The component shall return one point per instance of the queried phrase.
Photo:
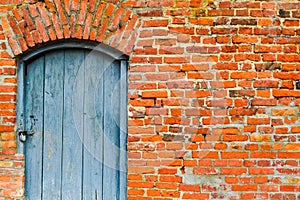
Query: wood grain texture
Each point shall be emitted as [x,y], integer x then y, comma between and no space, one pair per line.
[123,130]
[71,140]
[34,144]
[93,127]
[111,132]
[53,123]
[79,150]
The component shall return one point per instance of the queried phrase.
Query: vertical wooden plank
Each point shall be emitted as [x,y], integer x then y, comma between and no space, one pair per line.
[93,127]
[53,121]
[111,132]
[123,130]
[72,144]
[20,103]
[34,87]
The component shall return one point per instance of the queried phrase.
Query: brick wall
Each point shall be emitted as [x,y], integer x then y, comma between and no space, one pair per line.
[213,95]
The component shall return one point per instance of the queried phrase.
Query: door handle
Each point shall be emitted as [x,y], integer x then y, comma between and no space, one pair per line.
[24,133]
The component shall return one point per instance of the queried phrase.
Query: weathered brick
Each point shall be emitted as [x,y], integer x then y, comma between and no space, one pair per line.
[42,30]
[243,22]
[213,89]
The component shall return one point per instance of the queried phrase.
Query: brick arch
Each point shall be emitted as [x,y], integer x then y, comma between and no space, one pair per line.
[30,25]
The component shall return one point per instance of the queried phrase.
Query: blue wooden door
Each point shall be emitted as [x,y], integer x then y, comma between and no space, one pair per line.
[75,101]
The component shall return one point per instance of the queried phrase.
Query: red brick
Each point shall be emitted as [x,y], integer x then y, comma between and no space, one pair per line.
[116,19]
[14,25]
[205,171]
[292,147]
[244,39]
[155,23]
[140,184]
[291,23]
[177,59]
[261,170]
[263,155]
[135,4]
[231,180]
[289,188]
[234,155]
[235,137]
[42,30]
[231,66]
[244,188]
[155,94]
[243,111]
[195,196]
[61,11]
[258,121]
[167,171]
[233,171]
[82,13]
[286,93]
[157,111]
[265,84]
[135,192]
[157,3]
[287,75]
[130,26]
[214,121]
[170,179]
[142,102]
[44,15]
[264,102]
[102,30]
[99,14]
[288,155]
[182,30]
[224,31]
[137,130]
[192,188]
[202,21]
[57,27]
[27,18]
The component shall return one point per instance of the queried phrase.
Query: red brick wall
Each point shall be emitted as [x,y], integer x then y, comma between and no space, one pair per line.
[213,108]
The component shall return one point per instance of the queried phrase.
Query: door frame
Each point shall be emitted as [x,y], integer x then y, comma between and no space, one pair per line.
[84,45]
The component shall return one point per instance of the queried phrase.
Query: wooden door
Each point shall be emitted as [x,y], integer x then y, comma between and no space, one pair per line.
[75,101]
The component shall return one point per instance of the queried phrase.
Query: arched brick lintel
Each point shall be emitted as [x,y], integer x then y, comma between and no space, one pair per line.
[33,24]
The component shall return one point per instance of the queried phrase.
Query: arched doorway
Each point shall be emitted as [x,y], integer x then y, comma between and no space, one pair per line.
[72,111]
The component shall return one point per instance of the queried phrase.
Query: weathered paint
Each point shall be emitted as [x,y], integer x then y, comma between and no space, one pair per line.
[75,97]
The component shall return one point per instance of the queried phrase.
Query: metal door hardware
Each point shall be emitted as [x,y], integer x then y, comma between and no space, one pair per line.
[24,133]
